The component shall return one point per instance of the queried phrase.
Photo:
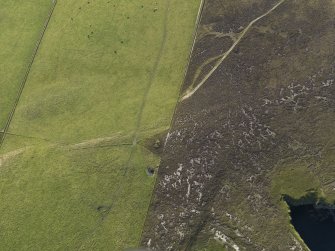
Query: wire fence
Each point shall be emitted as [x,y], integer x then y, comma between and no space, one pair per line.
[25,77]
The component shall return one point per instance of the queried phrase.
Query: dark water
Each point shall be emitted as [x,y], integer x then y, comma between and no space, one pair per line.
[315,226]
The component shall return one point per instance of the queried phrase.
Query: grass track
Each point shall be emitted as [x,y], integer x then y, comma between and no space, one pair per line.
[149,85]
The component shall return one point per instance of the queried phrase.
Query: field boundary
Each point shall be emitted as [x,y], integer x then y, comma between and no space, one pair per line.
[25,78]
[195,36]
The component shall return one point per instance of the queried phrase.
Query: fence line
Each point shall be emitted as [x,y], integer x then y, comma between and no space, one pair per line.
[195,36]
[24,80]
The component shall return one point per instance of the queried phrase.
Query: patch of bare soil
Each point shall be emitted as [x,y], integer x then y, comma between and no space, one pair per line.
[10,155]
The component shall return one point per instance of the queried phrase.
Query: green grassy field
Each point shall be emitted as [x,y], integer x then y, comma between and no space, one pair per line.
[20,23]
[106,77]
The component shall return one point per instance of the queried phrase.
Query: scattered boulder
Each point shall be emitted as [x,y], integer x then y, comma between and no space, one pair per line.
[157,144]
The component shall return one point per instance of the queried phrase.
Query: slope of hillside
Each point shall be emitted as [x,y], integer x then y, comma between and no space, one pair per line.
[255,123]
[105,79]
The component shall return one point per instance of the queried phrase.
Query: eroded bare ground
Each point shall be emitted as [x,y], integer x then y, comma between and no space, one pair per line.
[271,100]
